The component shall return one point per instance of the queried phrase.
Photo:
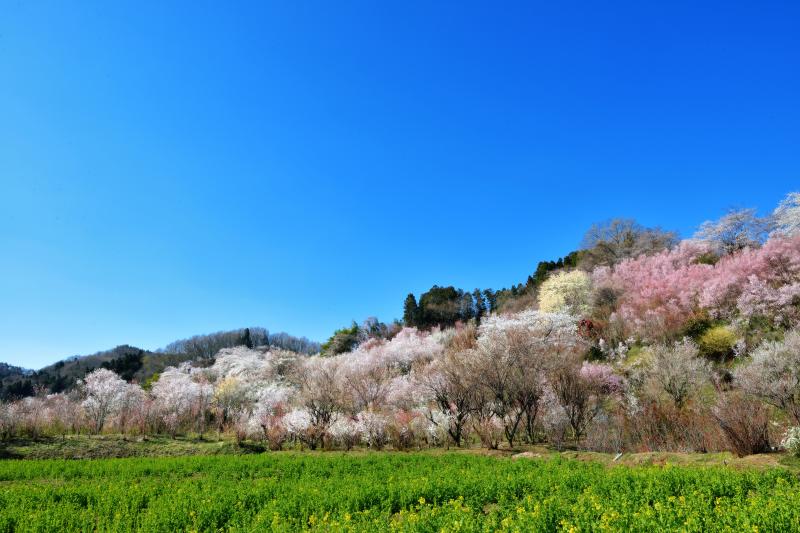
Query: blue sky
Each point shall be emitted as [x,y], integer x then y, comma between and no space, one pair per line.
[170,168]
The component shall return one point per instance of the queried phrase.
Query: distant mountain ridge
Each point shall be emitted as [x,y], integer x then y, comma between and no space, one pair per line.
[7,370]
[139,365]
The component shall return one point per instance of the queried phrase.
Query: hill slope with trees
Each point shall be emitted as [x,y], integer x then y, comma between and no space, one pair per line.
[134,364]
[638,341]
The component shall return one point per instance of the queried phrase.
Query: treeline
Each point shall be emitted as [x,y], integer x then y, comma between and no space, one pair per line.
[446,306]
[605,244]
[207,346]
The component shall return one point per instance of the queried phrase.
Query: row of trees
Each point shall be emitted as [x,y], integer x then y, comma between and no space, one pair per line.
[207,346]
[518,378]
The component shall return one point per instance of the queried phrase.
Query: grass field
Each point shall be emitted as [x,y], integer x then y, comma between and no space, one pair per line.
[334,491]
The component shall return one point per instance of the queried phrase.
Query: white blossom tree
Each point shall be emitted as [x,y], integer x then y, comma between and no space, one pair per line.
[182,395]
[677,370]
[736,230]
[773,374]
[786,217]
[105,392]
[514,356]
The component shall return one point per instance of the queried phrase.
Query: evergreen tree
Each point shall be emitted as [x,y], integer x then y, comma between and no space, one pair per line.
[491,299]
[480,305]
[411,311]
[246,340]
[467,306]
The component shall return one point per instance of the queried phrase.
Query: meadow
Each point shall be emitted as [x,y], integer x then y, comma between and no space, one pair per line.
[369,491]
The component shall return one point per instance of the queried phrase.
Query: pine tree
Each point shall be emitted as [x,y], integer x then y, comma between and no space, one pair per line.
[480,305]
[491,299]
[246,340]
[411,311]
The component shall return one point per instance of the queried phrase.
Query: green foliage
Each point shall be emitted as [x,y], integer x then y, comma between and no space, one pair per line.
[717,342]
[410,311]
[127,365]
[382,492]
[148,384]
[760,329]
[117,446]
[342,340]
[443,306]
[697,325]
[708,258]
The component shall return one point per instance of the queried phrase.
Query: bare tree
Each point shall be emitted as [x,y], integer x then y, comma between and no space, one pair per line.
[580,398]
[609,242]
[450,382]
[745,423]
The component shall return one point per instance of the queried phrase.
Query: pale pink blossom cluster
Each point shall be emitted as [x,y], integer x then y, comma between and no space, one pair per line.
[659,293]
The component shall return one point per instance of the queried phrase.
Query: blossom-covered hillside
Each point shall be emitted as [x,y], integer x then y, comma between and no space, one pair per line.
[638,342]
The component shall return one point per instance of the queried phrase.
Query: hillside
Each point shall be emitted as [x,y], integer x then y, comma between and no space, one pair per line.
[638,342]
[137,365]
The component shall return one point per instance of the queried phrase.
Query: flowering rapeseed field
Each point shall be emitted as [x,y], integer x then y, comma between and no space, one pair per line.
[388,492]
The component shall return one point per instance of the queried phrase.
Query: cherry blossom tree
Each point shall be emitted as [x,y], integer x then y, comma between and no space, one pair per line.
[763,280]
[373,428]
[786,217]
[450,383]
[513,357]
[677,370]
[182,394]
[345,431]
[320,396]
[269,413]
[104,391]
[773,374]
[656,294]
[736,230]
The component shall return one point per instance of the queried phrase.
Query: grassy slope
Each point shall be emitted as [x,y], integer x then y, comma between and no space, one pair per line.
[116,446]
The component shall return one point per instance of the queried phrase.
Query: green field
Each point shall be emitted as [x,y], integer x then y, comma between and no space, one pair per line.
[389,491]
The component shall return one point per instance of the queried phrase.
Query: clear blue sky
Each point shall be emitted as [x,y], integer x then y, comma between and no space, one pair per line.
[167,170]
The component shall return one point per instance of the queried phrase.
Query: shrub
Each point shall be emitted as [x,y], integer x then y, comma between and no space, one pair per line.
[697,324]
[665,427]
[717,342]
[745,422]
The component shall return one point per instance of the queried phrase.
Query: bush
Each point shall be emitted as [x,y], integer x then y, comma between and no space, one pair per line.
[745,422]
[665,427]
[717,342]
[697,324]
